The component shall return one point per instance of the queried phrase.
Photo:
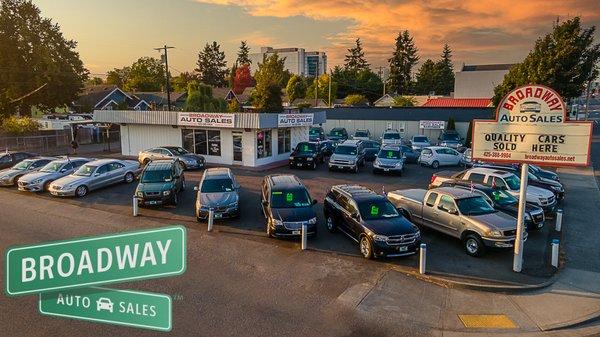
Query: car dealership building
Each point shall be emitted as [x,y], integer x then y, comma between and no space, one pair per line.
[244,138]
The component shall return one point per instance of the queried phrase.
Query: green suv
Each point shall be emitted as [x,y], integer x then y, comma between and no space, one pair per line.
[160,183]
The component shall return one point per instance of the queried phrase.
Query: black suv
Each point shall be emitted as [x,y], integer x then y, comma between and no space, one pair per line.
[371,220]
[160,183]
[338,135]
[306,154]
[287,206]
[316,133]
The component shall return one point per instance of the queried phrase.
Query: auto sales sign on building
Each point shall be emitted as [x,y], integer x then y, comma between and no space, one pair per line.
[286,120]
[218,120]
[531,127]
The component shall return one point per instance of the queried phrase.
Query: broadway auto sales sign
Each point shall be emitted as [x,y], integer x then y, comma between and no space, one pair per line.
[531,127]
[286,120]
[218,120]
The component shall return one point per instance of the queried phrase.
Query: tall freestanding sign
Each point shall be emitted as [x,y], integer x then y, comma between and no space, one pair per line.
[531,127]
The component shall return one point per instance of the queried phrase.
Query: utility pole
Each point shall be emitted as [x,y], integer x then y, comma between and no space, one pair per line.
[587,95]
[382,76]
[330,75]
[166,60]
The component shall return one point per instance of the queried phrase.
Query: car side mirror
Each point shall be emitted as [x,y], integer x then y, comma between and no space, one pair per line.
[355,216]
[196,188]
[63,170]
[96,174]
[314,201]
[453,211]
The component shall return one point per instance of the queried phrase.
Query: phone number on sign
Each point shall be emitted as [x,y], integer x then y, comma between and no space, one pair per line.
[491,154]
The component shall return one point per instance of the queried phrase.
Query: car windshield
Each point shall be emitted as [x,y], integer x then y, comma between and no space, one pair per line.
[336,132]
[451,136]
[306,148]
[290,199]
[474,206]
[217,185]
[52,166]
[156,176]
[85,171]
[503,198]
[178,150]
[391,136]
[22,165]
[389,154]
[513,182]
[314,132]
[420,139]
[360,134]
[341,149]
[380,209]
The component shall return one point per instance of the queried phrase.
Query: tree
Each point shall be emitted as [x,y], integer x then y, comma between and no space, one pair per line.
[94,81]
[563,60]
[322,87]
[266,95]
[426,78]
[243,54]
[444,72]
[17,126]
[401,63]
[363,82]
[233,106]
[180,83]
[231,76]
[38,66]
[211,65]
[404,101]
[296,88]
[243,79]
[451,125]
[355,60]
[354,99]
[118,77]
[145,74]
[200,98]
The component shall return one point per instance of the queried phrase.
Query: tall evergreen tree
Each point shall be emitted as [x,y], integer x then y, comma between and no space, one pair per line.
[401,63]
[211,65]
[243,55]
[426,78]
[355,59]
[445,73]
[266,96]
[564,60]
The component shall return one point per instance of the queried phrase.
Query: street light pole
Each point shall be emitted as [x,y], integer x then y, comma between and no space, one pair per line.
[518,257]
[166,59]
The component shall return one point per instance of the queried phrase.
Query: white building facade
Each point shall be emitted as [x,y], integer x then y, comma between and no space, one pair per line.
[245,139]
[297,60]
[479,81]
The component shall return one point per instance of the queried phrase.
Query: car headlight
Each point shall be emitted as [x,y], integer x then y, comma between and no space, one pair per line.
[277,222]
[291,157]
[309,159]
[398,164]
[352,162]
[496,233]
[233,204]
[312,221]
[527,217]
[166,192]
[377,162]
[37,181]
[377,237]
[556,188]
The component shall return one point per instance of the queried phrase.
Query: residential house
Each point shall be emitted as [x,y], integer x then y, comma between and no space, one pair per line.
[158,100]
[107,97]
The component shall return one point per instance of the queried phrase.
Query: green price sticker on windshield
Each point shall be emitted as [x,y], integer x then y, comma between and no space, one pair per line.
[374,210]
[305,148]
[390,154]
[289,197]
[496,196]
[277,193]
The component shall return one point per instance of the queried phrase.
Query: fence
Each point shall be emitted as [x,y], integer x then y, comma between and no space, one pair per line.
[59,142]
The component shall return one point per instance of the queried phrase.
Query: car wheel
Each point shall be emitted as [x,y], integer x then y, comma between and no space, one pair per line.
[473,245]
[366,248]
[81,191]
[129,177]
[175,199]
[330,223]
[314,166]
[356,169]
[435,164]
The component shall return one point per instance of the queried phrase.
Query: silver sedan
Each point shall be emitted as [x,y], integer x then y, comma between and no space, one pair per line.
[9,177]
[94,175]
[40,180]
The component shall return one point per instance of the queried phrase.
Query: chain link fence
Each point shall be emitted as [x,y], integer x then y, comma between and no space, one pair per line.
[89,141]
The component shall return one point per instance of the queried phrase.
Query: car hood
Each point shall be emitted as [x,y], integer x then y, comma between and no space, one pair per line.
[154,187]
[71,180]
[421,144]
[10,173]
[514,208]
[302,154]
[538,192]
[347,157]
[218,199]
[391,141]
[190,156]
[390,226]
[29,177]
[497,220]
[387,161]
[293,214]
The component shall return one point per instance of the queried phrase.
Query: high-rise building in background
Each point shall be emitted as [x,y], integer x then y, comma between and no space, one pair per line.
[297,60]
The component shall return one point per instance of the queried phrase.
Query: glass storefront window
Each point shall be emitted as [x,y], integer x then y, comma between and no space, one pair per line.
[200,142]
[206,142]
[263,144]
[214,143]
[284,141]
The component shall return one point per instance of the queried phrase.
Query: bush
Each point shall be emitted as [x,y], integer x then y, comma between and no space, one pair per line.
[17,126]
[404,101]
[354,99]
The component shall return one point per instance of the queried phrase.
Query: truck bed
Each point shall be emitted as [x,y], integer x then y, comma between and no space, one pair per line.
[439,177]
[416,195]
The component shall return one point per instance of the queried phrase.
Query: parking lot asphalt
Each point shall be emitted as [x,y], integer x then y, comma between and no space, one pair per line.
[445,254]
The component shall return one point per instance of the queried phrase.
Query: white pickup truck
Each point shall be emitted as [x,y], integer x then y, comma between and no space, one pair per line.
[500,179]
[460,213]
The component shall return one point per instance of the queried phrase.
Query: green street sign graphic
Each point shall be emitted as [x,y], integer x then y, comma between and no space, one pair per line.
[96,260]
[121,307]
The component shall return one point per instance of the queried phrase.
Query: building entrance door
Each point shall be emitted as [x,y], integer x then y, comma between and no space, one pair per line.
[237,146]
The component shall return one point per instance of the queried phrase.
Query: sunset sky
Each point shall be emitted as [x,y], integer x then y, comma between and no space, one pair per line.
[115,33]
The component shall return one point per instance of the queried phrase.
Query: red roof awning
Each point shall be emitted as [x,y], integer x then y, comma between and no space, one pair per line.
[458,102]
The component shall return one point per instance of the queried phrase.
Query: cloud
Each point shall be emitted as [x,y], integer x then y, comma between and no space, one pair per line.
[477,30]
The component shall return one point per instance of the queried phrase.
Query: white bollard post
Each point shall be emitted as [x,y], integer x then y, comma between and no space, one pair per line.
[422,258]
[555,245]
[211,217]
[559,216]
[304,236]
[135,206]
